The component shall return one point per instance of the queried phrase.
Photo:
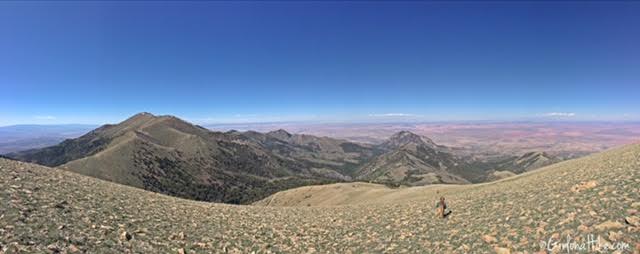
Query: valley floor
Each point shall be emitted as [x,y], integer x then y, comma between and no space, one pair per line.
[43,209]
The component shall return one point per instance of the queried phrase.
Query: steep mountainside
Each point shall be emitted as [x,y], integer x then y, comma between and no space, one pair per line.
[527,162]
[415,160]
[168,155]
[318,153]
[45,210]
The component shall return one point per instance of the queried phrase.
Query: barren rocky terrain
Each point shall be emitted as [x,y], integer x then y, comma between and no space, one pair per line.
[51,210]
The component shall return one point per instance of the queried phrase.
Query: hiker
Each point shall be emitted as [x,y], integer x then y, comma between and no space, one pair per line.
[442,208]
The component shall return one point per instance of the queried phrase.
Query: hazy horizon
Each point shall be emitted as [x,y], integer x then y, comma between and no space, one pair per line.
[364,120]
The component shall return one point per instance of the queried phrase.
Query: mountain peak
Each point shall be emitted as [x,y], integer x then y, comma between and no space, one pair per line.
[406,137]
[143,114]
[146,117]
[403,134]
[403,138]
[279,134]
[140,117]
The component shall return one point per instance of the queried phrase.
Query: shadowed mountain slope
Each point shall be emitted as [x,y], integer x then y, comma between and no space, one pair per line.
[527,162]
[319,153]
[52,210]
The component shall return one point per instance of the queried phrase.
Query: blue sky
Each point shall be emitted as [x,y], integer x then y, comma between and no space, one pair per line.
[209,62]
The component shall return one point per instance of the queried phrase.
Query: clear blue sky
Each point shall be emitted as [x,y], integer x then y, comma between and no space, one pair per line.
[97,62]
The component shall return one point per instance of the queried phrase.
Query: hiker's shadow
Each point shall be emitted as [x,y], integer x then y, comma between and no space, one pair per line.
[446,214]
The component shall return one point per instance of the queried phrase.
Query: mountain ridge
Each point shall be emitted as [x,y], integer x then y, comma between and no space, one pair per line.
[171,156]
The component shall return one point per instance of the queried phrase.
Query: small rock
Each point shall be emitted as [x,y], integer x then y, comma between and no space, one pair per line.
[106,228]
[178,236]
[125,236]
[500,250]
[584,186]
[181,251]
[632,220]
[61,205]
[141,231]
[583,228]
[73,249]
[609,225]
[53,248]
[489,239]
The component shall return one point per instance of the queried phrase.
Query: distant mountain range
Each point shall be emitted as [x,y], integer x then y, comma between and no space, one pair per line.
[168,155]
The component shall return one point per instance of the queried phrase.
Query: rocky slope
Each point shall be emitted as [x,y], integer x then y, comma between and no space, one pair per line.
[596,197]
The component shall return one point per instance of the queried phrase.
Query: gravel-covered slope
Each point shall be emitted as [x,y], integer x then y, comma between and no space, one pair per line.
[49,210]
